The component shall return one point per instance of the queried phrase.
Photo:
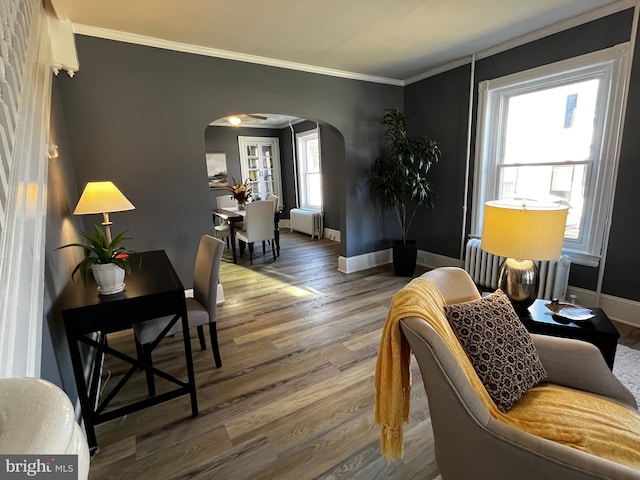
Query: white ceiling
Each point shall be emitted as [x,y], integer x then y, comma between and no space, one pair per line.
[267,120]
[383,40]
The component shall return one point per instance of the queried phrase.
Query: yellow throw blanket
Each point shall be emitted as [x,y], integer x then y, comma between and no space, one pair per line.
[569,417]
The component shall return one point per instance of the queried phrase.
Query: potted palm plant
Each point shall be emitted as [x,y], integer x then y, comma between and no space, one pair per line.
[108,261]
[398,182]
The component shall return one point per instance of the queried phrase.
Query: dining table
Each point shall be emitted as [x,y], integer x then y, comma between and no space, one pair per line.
[234,215]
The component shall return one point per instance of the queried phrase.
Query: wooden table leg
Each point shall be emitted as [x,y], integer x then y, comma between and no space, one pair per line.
[276,231]
[232,230]
[189,359]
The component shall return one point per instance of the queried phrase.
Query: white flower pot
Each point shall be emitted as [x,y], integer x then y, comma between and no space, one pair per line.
[109,277]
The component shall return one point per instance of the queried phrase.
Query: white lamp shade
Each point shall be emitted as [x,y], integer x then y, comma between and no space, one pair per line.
[524,230]
[102,197]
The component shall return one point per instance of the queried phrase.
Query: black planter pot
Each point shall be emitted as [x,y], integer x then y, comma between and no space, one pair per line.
[404,258]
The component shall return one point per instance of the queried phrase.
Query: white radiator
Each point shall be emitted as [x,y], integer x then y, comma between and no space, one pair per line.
[483,268]
[306,221]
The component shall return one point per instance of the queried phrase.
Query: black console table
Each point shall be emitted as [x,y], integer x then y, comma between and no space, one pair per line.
[153,290]
[598,330]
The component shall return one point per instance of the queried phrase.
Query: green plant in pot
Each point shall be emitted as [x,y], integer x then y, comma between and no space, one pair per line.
[398,182]
[108,261]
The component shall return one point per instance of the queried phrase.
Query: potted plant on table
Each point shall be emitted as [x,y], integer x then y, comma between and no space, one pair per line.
[108,261]
[241,192]
[398,181]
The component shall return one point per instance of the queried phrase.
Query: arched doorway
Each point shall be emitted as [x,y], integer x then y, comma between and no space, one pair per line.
[222,138]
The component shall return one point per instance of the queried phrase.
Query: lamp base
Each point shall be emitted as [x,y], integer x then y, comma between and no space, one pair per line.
[519,280]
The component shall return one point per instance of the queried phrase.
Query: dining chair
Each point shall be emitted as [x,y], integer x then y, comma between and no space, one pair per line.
[275,199]
[276,202]
[258,227]
[201,308]
[221,227]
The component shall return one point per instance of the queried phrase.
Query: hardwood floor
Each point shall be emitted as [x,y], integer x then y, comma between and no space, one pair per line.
[294,397]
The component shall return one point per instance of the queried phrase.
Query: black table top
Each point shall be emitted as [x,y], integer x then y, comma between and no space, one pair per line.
[151,273]
[539,314]
[152,290]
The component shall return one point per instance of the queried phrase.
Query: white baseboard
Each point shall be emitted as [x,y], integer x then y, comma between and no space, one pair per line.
[384,257]
[364,261]
[617,309]
[434,260]
[331,234]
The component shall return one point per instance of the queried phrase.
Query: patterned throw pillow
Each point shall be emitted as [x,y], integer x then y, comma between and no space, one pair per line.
[499,347]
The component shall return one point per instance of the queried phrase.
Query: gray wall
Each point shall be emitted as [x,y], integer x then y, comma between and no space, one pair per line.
[439,108]
[137,115]
[62,228]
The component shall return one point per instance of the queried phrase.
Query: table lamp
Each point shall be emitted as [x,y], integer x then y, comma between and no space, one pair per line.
[102,197]
[522,231]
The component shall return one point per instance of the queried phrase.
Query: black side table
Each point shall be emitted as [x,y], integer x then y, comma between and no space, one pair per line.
[598,330]
[153,290]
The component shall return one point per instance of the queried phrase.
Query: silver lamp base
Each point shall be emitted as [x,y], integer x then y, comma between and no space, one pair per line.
[519,280]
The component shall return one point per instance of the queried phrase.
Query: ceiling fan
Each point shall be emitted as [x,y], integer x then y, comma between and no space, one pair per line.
[236,119]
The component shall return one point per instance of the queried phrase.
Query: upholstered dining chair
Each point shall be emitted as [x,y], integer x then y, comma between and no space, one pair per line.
[276,203]
[222,228]
[258,227]
[275,199]
[201,309]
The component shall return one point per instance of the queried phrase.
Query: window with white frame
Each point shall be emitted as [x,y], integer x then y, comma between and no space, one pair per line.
[309,172]
[552,134]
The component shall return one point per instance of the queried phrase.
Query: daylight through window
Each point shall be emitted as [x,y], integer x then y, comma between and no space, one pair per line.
[309,172]
[550,134]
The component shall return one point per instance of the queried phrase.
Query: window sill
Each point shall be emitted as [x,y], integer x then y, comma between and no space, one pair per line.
[581,258]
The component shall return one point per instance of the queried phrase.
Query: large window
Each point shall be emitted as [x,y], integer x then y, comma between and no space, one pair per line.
[309,173]
[552,134]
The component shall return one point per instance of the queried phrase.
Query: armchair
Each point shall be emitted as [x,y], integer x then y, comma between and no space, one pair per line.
[470,442]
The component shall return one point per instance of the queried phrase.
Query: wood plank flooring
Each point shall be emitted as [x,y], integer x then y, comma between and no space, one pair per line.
[294,397]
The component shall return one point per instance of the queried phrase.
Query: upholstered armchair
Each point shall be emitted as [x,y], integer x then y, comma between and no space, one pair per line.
[471,443]
[37,418]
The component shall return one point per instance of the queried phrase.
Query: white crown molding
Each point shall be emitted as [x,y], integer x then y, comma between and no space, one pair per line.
[529,37]
[558,27]
[226,54]
[438,70]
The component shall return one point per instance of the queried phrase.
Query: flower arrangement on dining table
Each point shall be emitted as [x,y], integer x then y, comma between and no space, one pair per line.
[241,192]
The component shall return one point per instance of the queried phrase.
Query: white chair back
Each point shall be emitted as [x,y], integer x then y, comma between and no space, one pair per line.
[258,222]
[226,201]
[205,273]
[276,201]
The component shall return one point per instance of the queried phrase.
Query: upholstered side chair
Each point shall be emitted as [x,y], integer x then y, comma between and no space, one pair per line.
[222,228]
[259,226]
[201,309]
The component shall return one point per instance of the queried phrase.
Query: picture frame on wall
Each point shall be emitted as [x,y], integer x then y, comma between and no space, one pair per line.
[217,170]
